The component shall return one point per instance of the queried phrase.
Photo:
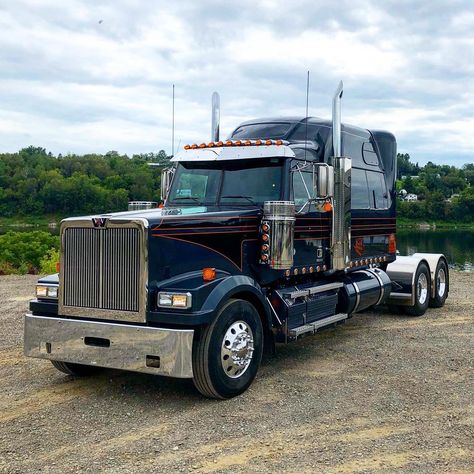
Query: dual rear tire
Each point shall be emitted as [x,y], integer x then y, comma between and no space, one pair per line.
[423,288]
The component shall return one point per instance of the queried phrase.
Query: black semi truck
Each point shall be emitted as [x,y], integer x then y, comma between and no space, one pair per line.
[287,227]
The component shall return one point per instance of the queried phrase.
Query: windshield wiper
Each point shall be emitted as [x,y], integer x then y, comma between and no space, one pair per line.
[195,199]
[237,196]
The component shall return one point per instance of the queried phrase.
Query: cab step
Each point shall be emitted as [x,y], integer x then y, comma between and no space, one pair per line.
[313,327]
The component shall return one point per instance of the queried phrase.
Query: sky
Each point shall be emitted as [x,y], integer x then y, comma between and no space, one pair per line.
[94,76]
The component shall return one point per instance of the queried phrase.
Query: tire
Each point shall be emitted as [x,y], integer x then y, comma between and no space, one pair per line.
[422,291]
[216,374]
[78,370]
[441,283]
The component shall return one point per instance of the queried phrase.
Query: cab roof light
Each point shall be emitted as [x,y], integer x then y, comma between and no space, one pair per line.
[236,143]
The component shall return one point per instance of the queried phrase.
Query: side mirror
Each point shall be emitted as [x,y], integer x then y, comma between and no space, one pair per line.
[166,178]
[323,181]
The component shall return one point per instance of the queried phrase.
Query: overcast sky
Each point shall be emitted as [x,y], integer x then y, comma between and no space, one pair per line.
[93,76]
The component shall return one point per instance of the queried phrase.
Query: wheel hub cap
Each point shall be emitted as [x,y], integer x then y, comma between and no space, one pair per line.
[422,288]
[441,282]
[237,349]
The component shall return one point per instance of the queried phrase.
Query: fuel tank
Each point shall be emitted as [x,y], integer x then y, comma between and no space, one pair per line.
[362,289]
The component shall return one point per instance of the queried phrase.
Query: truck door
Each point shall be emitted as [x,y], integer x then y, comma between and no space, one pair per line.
[312,227]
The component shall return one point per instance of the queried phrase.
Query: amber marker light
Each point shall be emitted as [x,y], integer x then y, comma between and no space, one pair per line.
[58,267]
[258,142]
[279,142]
[327,207]
[187,147]
[247,142]
[220,144]
[265,227]
[202,145]
[269,142]
[229,143]
[265,237]
[194,146]
[211,144]
[208,274]
[392,243]
[237,143]
[264,258]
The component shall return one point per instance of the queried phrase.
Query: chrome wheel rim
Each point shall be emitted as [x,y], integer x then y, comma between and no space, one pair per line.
[422,288]
[441,282]
[237,349]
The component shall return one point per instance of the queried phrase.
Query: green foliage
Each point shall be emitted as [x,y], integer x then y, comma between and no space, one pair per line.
[22,252]
[34,182]
[445,193]
[49,261]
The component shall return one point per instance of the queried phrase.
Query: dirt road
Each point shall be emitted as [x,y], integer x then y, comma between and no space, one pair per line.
[382,393]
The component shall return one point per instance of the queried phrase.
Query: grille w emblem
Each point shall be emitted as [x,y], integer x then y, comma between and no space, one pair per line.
[103,272]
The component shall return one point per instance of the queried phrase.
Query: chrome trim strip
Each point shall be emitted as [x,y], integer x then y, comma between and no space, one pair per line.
[129,345]
[356,287]
[382,289]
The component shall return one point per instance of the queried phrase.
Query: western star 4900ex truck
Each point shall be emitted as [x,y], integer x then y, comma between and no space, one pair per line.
[284,229]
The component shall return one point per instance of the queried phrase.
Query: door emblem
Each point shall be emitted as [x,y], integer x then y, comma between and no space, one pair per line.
[359,247]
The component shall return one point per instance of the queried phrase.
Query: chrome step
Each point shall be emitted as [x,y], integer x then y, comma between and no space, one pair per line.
[313,327]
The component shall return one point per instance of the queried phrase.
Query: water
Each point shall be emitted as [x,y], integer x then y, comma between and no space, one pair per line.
[457,245]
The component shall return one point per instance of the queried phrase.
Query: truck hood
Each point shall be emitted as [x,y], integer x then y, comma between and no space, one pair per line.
[196,214]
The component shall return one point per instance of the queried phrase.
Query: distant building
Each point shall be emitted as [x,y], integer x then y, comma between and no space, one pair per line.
[411,197]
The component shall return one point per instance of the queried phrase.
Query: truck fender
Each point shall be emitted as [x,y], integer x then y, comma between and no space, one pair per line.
[240,286]
[402,272]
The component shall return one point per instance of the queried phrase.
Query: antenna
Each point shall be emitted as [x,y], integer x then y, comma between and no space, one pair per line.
[306,129]
[172,127]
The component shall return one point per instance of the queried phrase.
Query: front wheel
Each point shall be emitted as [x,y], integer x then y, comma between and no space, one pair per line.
[228,352]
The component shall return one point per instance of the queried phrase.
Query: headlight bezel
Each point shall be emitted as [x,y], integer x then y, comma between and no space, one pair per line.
[175,299]
[46,291]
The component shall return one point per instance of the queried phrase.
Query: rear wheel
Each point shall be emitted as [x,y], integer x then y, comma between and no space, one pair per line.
[228,352]
[422,291]
[441,282]
[77,370]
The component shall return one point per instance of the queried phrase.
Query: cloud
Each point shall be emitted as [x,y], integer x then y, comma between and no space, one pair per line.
[83,76]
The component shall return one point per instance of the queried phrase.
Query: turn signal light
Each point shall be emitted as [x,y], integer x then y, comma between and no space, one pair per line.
[208,274]
[58,267]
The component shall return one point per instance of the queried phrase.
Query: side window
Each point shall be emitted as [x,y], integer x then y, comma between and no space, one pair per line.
[377,190]
[302,183]
[368,152]
[352,147]
[359,190]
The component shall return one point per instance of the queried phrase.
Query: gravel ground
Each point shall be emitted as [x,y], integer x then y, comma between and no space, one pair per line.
[382,393]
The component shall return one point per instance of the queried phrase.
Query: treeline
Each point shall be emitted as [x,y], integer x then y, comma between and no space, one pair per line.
[445,193]
[34,182]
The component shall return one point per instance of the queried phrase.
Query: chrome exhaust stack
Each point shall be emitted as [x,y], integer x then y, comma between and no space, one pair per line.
[341,219]
[216,117]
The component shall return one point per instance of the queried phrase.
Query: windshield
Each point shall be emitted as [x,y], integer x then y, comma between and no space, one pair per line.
[242,182]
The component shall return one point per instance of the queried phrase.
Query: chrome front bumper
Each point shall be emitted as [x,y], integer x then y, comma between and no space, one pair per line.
[116,346]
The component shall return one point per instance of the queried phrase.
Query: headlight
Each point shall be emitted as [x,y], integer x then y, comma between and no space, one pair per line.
[47,291]
[174,300]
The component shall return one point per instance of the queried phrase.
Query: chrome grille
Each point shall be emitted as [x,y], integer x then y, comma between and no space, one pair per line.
[102,270]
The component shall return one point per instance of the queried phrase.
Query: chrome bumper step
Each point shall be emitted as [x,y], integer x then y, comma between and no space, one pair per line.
[313,327]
